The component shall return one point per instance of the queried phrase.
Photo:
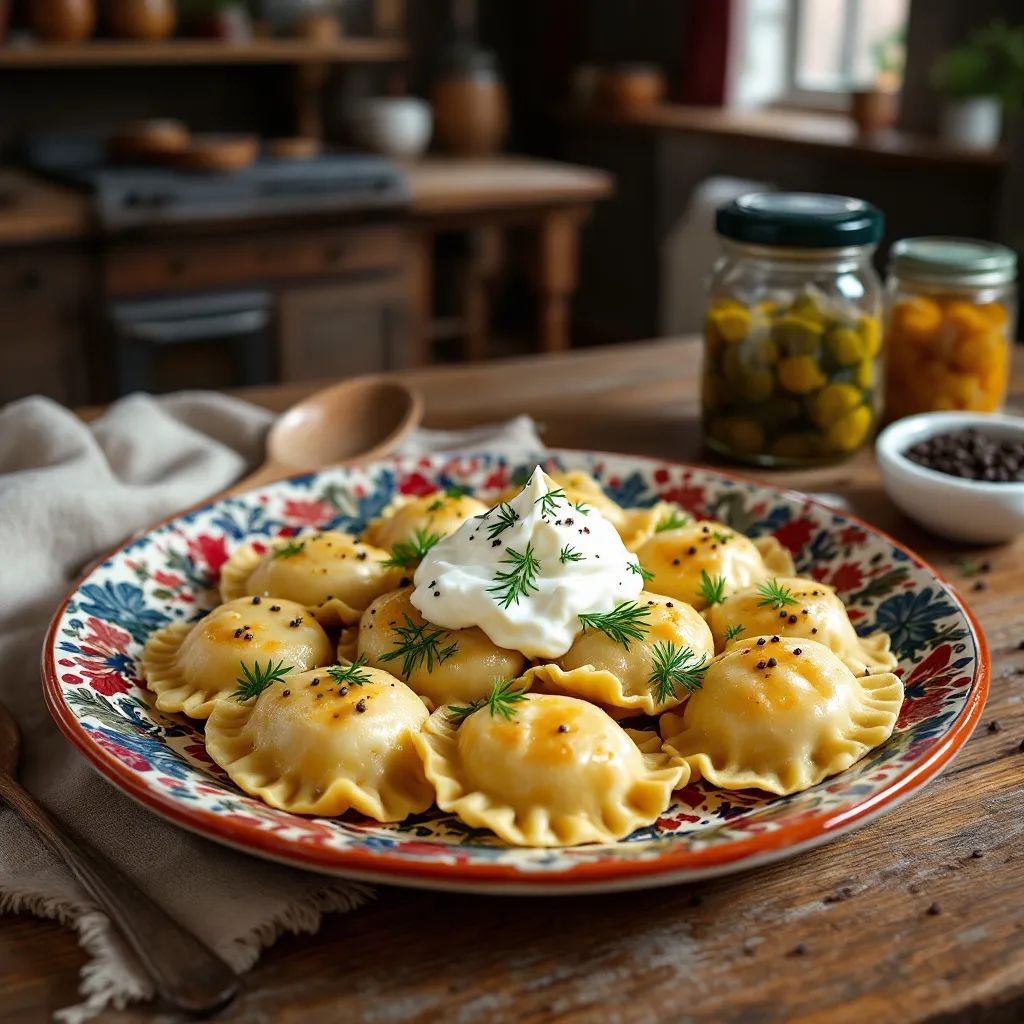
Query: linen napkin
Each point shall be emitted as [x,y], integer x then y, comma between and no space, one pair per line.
[68,492]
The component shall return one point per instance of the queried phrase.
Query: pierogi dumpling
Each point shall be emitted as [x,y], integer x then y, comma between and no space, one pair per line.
[640,524]
[580,488]
[332,574]
[189,665]
[781,714]
[443,665]
[679,557]
[664,663]
[557,772]
[437,514]
[797,607]
[324,742]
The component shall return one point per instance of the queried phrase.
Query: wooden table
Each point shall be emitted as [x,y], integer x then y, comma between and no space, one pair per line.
[481,199]
[775,944]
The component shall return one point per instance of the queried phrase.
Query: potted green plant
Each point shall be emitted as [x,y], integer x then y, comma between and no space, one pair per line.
[981,80]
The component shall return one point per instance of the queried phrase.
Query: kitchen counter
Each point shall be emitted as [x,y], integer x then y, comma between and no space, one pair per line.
[34,210]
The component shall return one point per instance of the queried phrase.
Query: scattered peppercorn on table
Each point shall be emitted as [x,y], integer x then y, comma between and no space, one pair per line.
[917,917]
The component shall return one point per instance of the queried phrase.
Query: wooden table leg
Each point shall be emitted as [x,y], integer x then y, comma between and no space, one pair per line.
[558,263]
[482,265]
[421,272]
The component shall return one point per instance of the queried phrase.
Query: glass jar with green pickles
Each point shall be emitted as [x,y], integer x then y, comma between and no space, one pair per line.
[793,330]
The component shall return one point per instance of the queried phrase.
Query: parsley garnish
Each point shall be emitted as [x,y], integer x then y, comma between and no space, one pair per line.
[420,645]
[293,547]
[712,589]
[775,595]
[512,584]
[350,675]
[731,632]
[501,701]
[674,667]
[570,554]
[645,574]
[627,621]
[407,553]
[549,502]
[255,680]
[673,521]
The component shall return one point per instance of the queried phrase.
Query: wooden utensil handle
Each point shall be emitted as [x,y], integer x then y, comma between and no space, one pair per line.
[184,971]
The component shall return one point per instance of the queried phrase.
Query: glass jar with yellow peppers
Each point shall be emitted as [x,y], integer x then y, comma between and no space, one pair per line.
[793,330]
[951,319]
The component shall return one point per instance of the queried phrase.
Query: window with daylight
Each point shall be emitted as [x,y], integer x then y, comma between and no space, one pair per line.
[811,53]
[838,45]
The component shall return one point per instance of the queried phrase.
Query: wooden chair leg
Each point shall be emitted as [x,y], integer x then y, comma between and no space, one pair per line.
[482,266]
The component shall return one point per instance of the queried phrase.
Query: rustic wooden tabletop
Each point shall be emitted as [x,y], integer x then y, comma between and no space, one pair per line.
[919,916]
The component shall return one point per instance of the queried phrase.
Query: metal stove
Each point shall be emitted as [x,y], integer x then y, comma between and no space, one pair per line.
[140,196]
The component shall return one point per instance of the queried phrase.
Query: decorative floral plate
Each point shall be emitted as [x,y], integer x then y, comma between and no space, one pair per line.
[94,691]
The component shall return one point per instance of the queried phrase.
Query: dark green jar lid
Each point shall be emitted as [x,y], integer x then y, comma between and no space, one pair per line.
[953,261]
[800,220]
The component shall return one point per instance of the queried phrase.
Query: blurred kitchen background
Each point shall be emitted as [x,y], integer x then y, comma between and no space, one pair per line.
[212,193]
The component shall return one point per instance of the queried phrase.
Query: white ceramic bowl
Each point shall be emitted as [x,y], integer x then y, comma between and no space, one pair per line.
[397,126]
[964,510]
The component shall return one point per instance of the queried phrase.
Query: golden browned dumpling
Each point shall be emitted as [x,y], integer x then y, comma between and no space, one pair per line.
[411,522]
[797,607]
[580,488]
[325,742]
[332,574]
[781,714]
[706,561]
[443,665]
[189,665]
[640,524]
[655,669]
[547,771]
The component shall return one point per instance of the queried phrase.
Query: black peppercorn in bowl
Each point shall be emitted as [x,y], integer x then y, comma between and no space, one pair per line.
[958,474]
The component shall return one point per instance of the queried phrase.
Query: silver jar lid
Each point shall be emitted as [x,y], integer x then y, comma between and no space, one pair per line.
[953,261]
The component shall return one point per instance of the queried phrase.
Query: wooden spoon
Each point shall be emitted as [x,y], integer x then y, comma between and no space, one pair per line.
[184,971]
[356,420]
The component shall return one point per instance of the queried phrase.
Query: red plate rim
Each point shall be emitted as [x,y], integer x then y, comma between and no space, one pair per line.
[386,867]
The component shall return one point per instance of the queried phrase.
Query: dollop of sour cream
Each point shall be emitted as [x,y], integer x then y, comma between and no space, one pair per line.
[527,570]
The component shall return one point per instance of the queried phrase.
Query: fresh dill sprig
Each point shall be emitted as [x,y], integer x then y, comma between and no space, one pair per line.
[293,547]
[584,510]
[454,491]
[722,538]
[549,502]
[967,567]
[645,574]
[350,675]
[407,553]
[712,588]
[675,667]
[436,506]
[774,595]
[501,702]
[253,681]
[673,521]
[733,631]
[506,516]
[512,584]
[570,554]
[625,622]
[420,645]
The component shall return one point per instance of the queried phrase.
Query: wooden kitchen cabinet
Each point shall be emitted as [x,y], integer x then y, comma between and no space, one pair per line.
[343,329]
[44,323]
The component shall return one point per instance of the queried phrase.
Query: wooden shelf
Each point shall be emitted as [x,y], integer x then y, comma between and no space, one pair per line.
[114,53]
[826,133]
